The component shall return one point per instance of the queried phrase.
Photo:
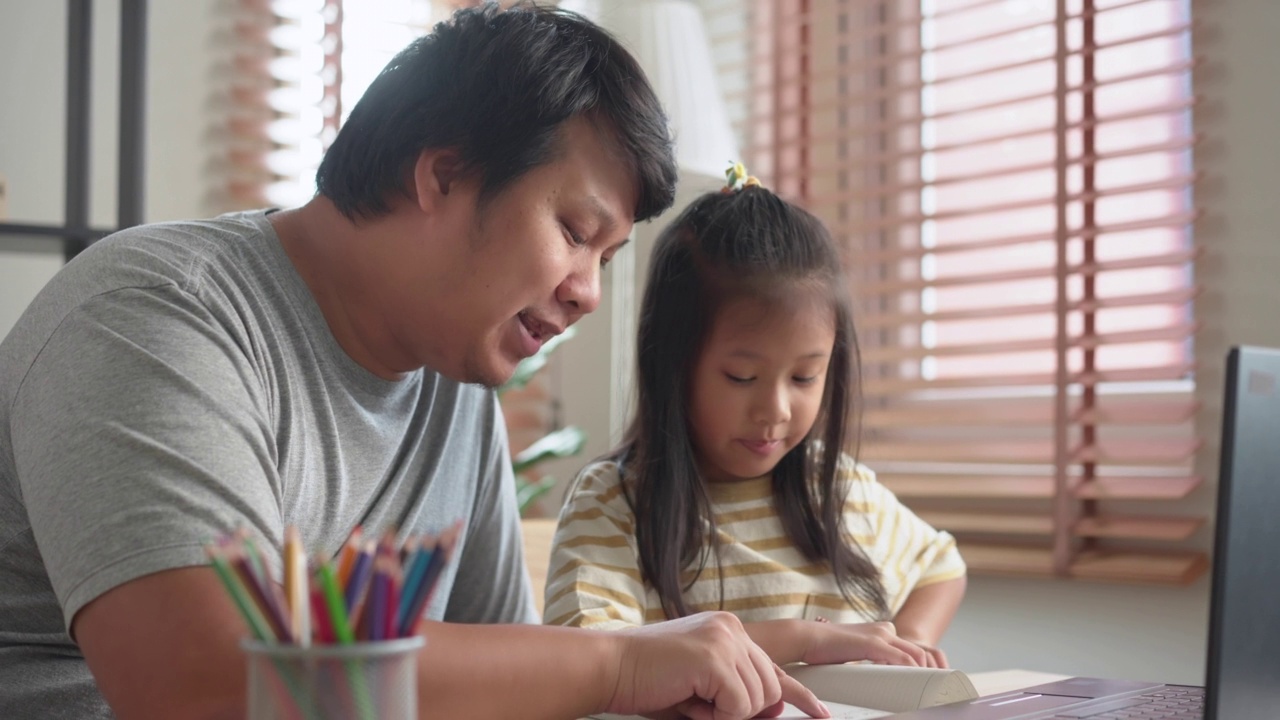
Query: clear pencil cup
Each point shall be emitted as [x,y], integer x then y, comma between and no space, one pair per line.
[364,681]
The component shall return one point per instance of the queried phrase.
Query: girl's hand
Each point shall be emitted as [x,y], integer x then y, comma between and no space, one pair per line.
[831,643]
[937,658]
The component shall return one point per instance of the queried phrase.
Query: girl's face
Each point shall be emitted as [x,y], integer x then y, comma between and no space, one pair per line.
[757,386]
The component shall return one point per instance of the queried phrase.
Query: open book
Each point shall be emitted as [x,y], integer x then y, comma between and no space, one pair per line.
[864,690]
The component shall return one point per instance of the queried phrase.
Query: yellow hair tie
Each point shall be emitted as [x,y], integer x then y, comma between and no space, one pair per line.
[736,178]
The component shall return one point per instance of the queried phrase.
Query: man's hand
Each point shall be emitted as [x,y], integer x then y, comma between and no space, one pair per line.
[706,667]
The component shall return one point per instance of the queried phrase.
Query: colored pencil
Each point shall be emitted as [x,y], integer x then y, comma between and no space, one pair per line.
[421,595]
[262,595]
[270,594]
[358,581]
[387,590]
[320,623]
[413,577]
[390,632]
[347,557]
[448,541]
[378,601]
[295,587]
[245,542]
[334,602]
[240,596]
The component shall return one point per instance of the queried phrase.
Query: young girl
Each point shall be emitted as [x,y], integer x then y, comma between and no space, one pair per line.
[723,495]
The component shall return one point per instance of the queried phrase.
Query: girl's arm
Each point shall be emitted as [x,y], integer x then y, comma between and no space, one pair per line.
[929,610]
[784,641]
[820,643]
[922,558]
[911,639]
[593,577]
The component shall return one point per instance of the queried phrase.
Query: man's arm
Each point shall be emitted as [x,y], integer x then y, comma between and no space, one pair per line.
[704,665]
[166,645]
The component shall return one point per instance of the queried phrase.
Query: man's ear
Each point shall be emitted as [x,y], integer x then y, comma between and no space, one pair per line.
[436,174]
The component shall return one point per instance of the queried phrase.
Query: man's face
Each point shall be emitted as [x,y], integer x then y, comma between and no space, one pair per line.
[526,264]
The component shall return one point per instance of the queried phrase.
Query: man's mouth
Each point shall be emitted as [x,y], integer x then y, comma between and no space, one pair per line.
[537,329]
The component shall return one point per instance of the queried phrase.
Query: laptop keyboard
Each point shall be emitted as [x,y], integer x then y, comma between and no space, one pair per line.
[1166,703]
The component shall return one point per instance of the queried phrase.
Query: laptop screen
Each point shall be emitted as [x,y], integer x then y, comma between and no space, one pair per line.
[1243,666]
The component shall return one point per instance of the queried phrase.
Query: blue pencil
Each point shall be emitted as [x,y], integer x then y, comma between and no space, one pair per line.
[422,594]
[413,577]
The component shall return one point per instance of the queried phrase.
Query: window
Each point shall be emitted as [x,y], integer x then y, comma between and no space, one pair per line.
[1012,182]
[301,65]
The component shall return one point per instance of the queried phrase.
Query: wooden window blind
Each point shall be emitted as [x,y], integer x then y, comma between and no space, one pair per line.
[281,101]
[298,66]
[1012,182]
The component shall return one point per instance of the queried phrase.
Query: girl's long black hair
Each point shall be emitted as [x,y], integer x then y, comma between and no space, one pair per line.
[728,245]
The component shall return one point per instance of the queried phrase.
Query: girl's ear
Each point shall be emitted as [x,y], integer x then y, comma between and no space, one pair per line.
[436,174]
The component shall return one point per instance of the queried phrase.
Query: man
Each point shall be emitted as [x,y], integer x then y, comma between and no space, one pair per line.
[314,367]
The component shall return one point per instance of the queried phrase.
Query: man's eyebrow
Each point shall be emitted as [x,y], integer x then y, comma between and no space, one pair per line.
[607,220]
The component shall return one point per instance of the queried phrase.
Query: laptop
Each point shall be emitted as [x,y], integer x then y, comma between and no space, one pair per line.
[1243,665]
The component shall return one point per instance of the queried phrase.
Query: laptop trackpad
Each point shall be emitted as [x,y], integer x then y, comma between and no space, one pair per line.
[996,707]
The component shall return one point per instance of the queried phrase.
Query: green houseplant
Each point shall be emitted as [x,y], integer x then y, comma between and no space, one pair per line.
[564,442]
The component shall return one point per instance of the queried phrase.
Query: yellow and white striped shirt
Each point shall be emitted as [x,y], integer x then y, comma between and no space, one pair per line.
[594,576]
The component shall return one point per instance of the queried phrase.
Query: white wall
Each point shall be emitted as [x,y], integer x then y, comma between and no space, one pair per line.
[32,68]
[180,87]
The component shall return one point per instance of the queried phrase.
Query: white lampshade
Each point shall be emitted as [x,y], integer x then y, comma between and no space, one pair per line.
[668,39]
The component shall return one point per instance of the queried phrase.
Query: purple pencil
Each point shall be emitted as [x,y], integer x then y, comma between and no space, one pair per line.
[361,572]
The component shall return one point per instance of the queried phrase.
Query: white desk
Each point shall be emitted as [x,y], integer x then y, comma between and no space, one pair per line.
[992,682]
[995,682]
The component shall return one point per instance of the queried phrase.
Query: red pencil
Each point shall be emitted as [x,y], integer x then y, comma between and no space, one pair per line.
[321,626]
[261,595]
[393,602]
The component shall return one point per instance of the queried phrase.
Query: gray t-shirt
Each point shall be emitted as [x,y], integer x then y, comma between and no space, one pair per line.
[177,381]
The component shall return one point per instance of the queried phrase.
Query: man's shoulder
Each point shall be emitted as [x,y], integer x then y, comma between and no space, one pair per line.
[179,250]
[179,255]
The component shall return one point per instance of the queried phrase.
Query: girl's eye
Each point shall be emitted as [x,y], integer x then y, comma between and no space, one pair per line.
[805,380]
[739,380]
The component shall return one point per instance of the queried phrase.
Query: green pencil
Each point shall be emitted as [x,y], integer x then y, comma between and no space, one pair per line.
[342,630]
[240,595]
[337,605]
